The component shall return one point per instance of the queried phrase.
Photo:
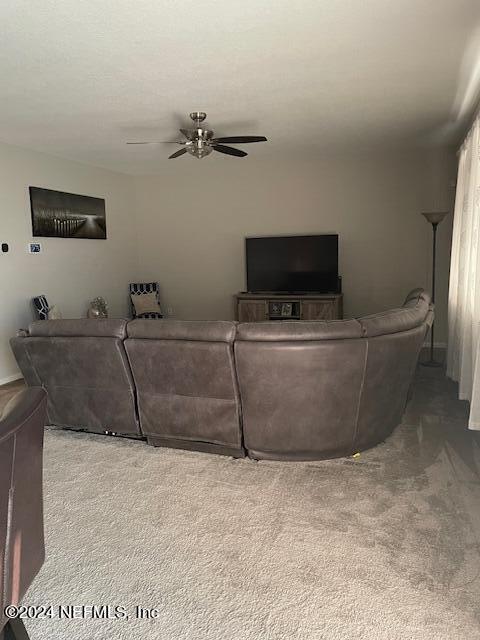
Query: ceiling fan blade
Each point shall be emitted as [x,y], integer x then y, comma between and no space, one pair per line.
[241,139]
[159,142]
[180,152]
[187,133]
[230,151]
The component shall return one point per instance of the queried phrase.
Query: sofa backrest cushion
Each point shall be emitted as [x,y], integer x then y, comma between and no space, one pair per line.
[186,381]
[89,328]
[206,331]
[389,369]
[413,314]
[317,389]
[299,330]
[88,378]
[416,294]
[299,399]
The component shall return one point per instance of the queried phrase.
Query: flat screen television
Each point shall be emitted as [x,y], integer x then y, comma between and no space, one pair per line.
[292,264]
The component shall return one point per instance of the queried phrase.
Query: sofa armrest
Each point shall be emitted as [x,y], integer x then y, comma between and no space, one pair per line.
[22,545]
[22,408]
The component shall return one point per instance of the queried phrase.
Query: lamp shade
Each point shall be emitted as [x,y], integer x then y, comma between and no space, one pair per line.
[434,217]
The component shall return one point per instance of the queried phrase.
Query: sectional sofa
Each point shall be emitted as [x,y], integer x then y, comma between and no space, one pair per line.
[275,390]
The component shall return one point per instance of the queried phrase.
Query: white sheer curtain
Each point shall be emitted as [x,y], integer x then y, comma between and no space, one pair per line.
[463,358]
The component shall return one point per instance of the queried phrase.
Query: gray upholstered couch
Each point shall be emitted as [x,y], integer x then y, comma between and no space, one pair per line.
[278,390]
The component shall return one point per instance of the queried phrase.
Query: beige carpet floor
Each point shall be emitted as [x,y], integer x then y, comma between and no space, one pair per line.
[383,547]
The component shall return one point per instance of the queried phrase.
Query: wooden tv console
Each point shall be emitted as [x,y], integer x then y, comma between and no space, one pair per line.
[258,307]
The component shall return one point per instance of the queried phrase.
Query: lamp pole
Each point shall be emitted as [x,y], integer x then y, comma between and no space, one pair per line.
[434,217]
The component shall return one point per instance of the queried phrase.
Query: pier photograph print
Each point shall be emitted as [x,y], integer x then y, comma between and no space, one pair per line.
[56,214]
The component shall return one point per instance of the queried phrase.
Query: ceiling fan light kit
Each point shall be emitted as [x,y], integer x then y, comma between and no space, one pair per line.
[200,142]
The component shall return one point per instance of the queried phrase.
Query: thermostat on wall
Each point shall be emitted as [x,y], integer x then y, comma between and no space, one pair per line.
[34,247]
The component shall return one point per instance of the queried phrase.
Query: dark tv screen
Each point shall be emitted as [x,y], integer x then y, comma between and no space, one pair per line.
[292,264]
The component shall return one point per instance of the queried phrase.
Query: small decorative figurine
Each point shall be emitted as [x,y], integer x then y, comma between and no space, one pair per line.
[98,308]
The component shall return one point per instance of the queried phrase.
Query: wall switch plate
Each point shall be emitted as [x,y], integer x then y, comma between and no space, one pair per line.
[34,247]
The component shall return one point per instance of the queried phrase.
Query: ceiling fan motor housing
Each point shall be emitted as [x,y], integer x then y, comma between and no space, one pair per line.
[198,116]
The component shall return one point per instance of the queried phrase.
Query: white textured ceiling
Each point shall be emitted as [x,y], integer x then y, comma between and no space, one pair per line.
[80,77]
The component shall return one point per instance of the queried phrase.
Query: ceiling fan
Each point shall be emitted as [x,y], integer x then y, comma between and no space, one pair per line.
[200,142]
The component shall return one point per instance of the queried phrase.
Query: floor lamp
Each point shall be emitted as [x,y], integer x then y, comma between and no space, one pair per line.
[434,217]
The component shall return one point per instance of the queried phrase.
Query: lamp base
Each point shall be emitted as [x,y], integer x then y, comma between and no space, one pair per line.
[431,363]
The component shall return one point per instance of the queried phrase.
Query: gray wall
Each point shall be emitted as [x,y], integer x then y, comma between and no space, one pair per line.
[193,216]
[69,271]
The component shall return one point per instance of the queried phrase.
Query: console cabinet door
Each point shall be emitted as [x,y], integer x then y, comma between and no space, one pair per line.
[252,310]
[318,310]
